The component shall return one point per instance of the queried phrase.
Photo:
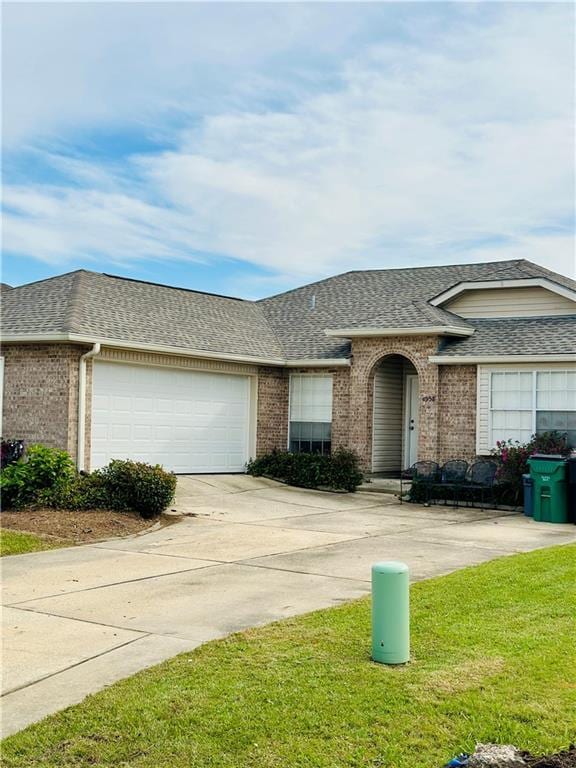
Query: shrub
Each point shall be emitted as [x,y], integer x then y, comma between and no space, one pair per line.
[48,477]
[85,491]
[41,468]
[310,470]
[512,457]
[344,470]
[144,488]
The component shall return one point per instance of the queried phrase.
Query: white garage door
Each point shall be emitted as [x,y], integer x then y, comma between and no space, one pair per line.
[185,420]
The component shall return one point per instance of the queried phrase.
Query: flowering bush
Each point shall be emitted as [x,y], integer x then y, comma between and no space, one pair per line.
[512,457]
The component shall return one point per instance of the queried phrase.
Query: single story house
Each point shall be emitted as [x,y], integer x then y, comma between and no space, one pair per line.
[397,364]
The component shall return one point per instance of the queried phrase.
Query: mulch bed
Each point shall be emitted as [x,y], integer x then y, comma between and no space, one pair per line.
[72,526]
[564,759]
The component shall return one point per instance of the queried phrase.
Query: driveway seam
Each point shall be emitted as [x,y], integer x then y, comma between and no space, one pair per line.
[213,564]
[248,564]
[77,664]
[142,632]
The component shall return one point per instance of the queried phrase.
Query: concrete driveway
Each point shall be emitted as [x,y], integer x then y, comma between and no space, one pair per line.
[251,551]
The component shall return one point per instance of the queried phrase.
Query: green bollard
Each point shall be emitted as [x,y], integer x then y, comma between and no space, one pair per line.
[390,613]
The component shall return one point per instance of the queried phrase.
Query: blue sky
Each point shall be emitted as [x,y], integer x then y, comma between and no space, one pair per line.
[248,148]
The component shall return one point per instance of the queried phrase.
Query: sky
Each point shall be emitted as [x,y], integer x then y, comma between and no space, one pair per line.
[247,148]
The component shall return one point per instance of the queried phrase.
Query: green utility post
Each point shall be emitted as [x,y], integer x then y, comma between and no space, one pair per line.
[390,613]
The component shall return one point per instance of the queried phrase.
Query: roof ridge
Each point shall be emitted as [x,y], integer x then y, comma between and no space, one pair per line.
[55,277]
[268,324]
[549,274]
[508,263]
[432,266]
[174,287]
[72,315]
[436,313]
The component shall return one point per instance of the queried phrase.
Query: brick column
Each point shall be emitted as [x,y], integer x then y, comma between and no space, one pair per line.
[428,412]
[367,353]
[272,419]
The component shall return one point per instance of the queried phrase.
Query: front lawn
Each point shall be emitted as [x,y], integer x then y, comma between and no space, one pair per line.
[16,543]
[494,659]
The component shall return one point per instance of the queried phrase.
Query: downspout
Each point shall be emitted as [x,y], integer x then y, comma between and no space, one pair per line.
[82,403]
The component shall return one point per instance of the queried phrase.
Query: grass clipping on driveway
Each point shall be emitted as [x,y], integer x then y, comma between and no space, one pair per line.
[494,660]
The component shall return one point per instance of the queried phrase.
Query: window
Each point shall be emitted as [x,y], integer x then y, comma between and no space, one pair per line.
[310,414]
[556,403]
[525,402]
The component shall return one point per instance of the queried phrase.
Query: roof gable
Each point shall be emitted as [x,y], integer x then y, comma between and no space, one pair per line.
[448,298]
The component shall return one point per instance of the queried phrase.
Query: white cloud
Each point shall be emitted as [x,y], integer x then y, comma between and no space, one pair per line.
[415,147]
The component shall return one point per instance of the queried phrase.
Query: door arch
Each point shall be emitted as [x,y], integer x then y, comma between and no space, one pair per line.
[395,415]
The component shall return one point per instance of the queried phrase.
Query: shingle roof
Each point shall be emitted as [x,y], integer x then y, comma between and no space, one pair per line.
[288,326]
[516,336]
[416,314]
[104,306]
[358,299]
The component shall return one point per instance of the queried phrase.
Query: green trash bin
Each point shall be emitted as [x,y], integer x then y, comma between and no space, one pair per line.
[550,488]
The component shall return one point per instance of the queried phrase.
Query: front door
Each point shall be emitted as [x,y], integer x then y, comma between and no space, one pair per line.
[411,421]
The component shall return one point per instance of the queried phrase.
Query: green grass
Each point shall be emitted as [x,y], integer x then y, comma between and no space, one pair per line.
[16,543]
[494,659]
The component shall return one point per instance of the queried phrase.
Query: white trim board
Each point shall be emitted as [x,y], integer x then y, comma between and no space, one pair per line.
[528,282]
[487,359]
[74,338]
[430,330]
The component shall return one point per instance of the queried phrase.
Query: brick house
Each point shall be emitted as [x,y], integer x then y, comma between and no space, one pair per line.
[399,364]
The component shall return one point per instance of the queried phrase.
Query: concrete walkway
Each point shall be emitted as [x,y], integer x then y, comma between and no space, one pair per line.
[251,552]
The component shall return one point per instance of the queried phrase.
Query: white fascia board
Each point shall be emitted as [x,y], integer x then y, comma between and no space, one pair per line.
[524,282]
[486,359]
[75,338]
[314,362]
[430,330]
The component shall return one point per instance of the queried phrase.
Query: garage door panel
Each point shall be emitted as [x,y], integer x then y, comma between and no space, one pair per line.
[186,420]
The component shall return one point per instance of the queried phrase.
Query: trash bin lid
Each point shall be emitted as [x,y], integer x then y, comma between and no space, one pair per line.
[548,457]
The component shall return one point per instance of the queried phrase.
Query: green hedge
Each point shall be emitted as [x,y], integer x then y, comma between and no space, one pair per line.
[145,488]
[47,477]
[338,472]
[40,470]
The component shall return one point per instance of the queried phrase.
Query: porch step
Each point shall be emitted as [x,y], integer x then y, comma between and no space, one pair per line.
[383,485]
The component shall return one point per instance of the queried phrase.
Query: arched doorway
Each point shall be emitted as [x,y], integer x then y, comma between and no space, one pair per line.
[395,416]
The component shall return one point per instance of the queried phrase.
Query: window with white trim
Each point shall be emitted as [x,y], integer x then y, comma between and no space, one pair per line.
[523,403]
[310,428]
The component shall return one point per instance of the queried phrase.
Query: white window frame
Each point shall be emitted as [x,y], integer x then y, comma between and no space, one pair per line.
[294,376]
[534,373]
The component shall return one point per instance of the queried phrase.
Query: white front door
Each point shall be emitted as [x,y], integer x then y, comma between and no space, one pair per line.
[411,421]
[189,421]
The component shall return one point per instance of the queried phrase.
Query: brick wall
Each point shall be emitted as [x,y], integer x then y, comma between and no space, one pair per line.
[273,406]
[272,417]
[367,353]
[457,412]
[41,394]
[41,398]
[341,408]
